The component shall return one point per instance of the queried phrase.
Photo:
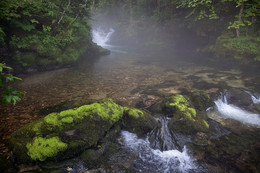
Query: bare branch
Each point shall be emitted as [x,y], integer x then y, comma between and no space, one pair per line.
[63,13]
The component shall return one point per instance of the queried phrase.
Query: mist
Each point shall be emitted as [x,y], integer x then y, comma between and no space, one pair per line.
[130,86]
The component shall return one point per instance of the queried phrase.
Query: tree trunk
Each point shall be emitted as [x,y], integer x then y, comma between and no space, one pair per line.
[240,18]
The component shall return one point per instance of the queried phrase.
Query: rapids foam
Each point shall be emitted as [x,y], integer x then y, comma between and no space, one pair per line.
[154,160]
[234,112]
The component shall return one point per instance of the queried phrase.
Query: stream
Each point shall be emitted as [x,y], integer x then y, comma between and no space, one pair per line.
[137,79]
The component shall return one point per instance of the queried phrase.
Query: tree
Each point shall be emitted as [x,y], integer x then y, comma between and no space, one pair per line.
[247,16]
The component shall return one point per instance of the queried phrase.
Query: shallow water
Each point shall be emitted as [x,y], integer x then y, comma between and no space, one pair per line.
[131,78]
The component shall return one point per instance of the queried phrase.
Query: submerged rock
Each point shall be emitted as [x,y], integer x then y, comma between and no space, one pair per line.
[62,135]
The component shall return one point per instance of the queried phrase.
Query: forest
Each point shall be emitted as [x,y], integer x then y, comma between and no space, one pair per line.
[169,76]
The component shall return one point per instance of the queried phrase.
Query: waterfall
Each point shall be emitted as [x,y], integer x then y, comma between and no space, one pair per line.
[231,111]
[101,37]
[155,160]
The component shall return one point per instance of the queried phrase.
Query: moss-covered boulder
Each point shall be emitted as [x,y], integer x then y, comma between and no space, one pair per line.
[185,119]
[138,121]
[64,134]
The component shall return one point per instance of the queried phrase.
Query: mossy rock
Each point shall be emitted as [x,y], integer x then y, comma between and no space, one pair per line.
[185,118]
[64,134]
[201,100]
[138,121]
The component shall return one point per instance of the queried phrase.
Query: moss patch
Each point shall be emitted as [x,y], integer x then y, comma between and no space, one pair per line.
[135,113]
[138,121]
[185,118]
[42,148]
[180,103]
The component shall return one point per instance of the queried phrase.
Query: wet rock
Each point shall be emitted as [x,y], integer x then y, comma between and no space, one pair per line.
[185,118]
[65,134]
[95,158]
[138,121]
[240,98]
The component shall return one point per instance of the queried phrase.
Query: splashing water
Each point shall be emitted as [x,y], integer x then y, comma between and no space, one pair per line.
[256,99]
[102,38]
[234,112]
[161,137]
[154,160]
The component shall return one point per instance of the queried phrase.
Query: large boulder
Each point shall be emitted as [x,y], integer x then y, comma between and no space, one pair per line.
[62,135]
[185,119]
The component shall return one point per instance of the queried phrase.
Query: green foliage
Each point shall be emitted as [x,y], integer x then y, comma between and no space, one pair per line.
[46,29]
[8,94]
[243,46]
[201,9]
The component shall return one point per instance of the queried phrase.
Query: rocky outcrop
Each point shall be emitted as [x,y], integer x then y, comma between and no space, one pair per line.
[67,133]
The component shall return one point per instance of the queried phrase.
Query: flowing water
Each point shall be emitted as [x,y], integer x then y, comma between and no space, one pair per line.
[156,160]
[231,111]
[137,79]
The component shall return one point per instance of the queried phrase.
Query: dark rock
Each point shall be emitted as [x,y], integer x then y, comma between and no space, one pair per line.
[239,97]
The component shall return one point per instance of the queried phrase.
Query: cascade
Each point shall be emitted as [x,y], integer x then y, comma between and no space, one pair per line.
[159,151]
[101,37]
[234,112]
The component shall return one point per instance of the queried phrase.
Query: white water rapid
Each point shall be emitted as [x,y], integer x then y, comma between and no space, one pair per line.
[155,160]
[231,111]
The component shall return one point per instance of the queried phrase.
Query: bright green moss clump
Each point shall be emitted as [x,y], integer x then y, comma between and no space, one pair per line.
[106,110]
[42,148]
[135,113]
[53,119]
[70,112]
[180,103]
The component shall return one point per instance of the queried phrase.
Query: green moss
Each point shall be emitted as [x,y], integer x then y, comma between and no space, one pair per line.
[180,103]
[70,112]
[106,110]
[37,127]
[67,120]
[135,113]
[53,119]
[42,148]
[206,124]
